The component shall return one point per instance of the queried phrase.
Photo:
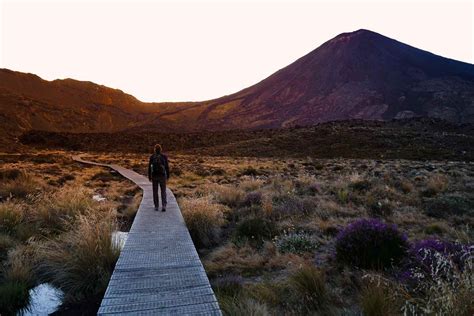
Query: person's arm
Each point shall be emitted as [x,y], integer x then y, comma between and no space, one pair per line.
[149,169]
[167,168]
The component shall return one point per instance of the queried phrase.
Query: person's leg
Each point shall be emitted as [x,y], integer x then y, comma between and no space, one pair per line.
[154,187]
[163,192]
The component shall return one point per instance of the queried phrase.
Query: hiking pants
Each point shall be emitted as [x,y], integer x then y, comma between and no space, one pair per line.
[161,181]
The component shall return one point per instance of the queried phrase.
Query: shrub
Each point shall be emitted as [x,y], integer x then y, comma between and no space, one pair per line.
[203,219]
[310,285]
[81,261]
[11,215]
[254,231]
[369,243]
[296,243]
[448,205]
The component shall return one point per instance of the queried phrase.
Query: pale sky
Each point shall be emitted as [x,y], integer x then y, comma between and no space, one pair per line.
[196,50]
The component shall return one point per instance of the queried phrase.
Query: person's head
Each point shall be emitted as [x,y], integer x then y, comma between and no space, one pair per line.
[158,148]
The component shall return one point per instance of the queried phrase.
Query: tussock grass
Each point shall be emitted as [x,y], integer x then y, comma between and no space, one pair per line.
[13,297]
[435,184]
[20,186]
[57,211]
[81,261]
[230,196]
[251,184]
[310,285]
[204,219]
[376,300]
[11,215]
[17,279]
[243,306]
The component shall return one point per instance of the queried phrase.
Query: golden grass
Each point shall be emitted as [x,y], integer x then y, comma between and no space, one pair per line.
[81,261]
[20,187]
[204,219]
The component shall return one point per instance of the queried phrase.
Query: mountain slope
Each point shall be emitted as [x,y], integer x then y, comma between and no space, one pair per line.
[358,75]
[355,75]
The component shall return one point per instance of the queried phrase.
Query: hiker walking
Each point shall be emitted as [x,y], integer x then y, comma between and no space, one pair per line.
[158,173]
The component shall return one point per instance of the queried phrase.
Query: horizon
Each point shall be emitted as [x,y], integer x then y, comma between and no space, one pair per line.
[215,69]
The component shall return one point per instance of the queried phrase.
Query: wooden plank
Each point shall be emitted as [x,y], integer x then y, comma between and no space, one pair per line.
[158,271]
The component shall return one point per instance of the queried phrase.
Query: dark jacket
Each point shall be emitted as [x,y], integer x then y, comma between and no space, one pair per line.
[164,161]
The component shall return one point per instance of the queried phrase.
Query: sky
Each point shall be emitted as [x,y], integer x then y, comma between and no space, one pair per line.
[185,50]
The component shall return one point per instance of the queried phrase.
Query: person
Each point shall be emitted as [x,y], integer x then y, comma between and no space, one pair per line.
[158,174]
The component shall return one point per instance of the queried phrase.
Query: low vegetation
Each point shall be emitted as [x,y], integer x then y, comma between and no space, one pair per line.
[52,230]
[286,236]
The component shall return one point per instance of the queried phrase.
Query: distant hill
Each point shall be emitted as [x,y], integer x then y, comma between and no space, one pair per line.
[358,75]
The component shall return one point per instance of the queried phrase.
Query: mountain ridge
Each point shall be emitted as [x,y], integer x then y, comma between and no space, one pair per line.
[355,75]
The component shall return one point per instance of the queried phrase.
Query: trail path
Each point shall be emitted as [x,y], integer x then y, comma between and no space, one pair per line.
[159,271]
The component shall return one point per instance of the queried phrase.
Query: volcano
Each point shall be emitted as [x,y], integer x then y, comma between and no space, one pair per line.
[357,75]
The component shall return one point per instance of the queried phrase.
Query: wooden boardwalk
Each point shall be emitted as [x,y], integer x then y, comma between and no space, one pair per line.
[159,271]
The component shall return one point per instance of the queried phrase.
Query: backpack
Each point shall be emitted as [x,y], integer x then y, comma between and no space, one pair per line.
[157,167]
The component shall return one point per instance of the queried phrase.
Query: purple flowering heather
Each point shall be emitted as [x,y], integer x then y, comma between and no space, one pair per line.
[434,258]
[371,244]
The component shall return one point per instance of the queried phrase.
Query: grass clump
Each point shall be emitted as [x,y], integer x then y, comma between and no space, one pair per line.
[254,231]
[59,210]
[204,219]
[14,296]
[20,186]
[296,243]
[228,285]
[447,205]
[239,306]
[309,284]
[11,215]
[436,184]
[229,196]
[370,244]
[81,261]
[17,279]
[378,298]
